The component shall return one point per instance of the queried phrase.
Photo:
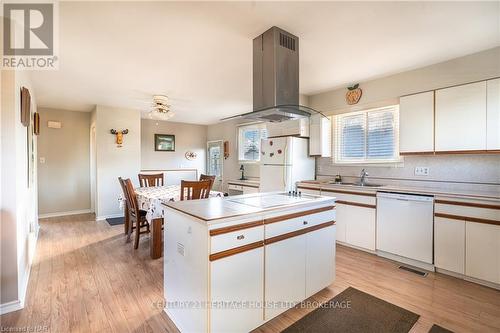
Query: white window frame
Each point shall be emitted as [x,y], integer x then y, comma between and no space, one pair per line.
[395,160]
[241,128]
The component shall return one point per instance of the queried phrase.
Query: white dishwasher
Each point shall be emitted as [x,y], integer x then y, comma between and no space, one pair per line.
[405,226]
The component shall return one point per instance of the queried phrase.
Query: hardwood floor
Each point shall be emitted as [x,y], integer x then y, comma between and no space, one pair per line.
[85,278]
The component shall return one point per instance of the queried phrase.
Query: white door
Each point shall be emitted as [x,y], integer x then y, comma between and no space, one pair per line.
[320,259]
[285,274]
[493,114]
[449,244]
[482,251]
[461,117]
[274,178]
[416,123]
[237,279]
[215,162]
[276,151]
[342,213]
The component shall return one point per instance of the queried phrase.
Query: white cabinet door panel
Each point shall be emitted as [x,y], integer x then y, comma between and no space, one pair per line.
[493,114]
[482,251]
[461,117]
[285,274]
[320,259]
[342,212]
[449,244]
[360,227]
[248,190]
[416,121]
[238,278]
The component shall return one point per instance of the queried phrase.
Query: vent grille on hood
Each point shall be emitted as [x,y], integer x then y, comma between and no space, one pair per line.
[276,78]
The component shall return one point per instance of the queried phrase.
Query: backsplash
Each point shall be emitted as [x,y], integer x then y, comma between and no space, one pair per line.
[451,171]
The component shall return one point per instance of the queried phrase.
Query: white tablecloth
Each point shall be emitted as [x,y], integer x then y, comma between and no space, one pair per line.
[150,199]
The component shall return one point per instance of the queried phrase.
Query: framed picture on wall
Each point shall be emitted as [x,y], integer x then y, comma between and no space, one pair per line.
[164,142]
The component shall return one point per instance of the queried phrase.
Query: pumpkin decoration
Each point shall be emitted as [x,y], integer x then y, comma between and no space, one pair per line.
[353,94]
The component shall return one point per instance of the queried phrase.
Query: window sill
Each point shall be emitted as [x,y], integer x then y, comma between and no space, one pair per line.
[248,162]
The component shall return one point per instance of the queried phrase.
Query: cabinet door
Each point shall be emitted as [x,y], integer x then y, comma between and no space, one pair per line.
[308,191]
[320,136]
[416,121]
[285,274]
[493,115]
[360,226]
[238,278]
[482,251]
[449,244]
[342,212]
[320,259]
[461,117]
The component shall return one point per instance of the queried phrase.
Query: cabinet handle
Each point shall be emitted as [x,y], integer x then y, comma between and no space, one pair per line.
[305,223]
[240,237]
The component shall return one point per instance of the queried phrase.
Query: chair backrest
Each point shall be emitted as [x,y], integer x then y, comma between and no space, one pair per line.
[207,177]
[124,190]
[133,206]
[150,180]
[191,190]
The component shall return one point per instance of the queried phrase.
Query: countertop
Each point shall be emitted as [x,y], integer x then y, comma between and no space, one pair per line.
[459,193]
[221,208]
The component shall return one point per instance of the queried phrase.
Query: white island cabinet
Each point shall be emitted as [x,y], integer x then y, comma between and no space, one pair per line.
[233,263]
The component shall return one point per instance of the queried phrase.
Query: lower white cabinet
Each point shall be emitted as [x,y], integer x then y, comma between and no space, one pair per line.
[320,271]
[237,278]
[285,274]
[308,191]
[449,244]
[249,189]
[356,225]
[483,251]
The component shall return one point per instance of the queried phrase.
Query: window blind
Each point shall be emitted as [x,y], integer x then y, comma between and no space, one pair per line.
[368,136]
[249,141]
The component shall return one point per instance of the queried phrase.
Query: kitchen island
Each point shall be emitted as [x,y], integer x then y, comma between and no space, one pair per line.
[231,264]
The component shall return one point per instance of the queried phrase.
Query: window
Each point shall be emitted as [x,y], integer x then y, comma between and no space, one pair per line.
[249,137]
[369,136]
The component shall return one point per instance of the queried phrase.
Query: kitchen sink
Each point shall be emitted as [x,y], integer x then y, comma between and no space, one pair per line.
[356,184]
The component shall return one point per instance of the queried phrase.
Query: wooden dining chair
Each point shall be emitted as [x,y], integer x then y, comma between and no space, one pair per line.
[137,217]
[150,180]
[192,190]
[126,214]
[207,177]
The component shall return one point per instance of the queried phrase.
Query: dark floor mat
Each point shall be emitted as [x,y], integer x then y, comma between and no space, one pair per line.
[353,311]
[438,329]
[116,220]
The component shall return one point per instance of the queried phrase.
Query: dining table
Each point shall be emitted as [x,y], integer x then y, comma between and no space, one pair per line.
[151,199]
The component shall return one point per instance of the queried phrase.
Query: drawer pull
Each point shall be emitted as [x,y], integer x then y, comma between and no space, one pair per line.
[305,223]
[240,237]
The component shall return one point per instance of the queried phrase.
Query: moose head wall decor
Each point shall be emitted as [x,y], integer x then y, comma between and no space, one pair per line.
[119,136]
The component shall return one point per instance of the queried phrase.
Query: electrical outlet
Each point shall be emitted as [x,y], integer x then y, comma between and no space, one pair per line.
[421,171]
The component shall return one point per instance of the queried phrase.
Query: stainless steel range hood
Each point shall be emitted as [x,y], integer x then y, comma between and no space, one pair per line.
[276,78]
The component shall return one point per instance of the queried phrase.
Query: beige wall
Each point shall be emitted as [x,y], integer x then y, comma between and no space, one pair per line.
[64,178]
[19,219]
[188,137]
[451,168]
[113,161]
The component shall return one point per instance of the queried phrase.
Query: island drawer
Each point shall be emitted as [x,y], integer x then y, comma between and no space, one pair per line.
[280,225]
[231,240]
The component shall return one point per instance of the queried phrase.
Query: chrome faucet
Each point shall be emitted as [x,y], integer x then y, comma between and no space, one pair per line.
[363,176]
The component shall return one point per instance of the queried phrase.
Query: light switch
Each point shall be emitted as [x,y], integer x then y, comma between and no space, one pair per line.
[42,160]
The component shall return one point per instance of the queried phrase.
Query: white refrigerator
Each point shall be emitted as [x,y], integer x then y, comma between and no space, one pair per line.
[283,162]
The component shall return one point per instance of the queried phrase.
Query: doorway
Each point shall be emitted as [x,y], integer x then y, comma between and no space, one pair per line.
[215,162]
[93,169]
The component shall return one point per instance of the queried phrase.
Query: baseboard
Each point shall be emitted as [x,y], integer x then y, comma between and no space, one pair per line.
[72,212]
[469,279]
[10,307]
[103,217]
[356,247]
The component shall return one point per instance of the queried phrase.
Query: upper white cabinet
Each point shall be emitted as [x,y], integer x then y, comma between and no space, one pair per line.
[461,118]
[416,121]
[320,136]
[493,114]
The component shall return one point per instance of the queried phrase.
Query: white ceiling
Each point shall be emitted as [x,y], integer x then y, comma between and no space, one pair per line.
[200,54]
